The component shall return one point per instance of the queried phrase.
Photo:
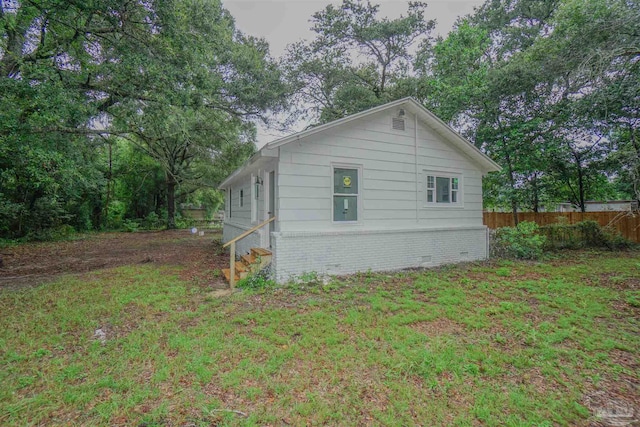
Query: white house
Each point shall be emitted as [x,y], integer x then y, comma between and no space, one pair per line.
[388,188]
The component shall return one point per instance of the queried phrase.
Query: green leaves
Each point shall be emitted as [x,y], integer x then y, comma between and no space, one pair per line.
[356,61]
[175,78]
[540,86]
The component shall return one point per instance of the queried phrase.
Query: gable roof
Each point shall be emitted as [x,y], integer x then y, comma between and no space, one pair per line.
[450,135]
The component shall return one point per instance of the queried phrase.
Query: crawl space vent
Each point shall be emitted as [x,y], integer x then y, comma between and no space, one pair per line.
[397,123]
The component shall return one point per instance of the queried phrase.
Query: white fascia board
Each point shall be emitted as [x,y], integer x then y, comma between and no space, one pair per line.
[306,133]
[252,163]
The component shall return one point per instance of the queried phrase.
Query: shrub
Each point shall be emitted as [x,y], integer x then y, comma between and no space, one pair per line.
[522,241]
[585,234]
[259,281]
[130,226]
[152,221]
[184,222]
[115,216]
[61,232]
[310,278]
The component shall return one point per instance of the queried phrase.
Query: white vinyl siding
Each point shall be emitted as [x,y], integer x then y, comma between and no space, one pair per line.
[251,211]
[387,190]
[255,198]
[238,208]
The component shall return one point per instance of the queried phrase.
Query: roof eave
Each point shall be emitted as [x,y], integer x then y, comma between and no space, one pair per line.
[224,184]
[321,128]
[485,162]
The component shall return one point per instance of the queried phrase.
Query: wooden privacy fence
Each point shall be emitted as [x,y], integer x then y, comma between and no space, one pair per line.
[626,223]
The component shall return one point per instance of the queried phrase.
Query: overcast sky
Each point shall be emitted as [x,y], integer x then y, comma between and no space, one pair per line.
[282,22]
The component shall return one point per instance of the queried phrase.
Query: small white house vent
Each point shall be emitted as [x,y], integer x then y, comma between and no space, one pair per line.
[397,123]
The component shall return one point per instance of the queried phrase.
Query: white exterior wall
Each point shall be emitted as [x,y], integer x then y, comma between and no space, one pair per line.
[396,229]
[347,252]
[253,211]
[238,218]
[241,217]
[234,213]
[390,198]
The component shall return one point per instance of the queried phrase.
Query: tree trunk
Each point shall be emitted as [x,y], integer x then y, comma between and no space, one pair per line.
[171,204]
[581,189]
[635,163]
[536,197]
[514,202]
[109,187]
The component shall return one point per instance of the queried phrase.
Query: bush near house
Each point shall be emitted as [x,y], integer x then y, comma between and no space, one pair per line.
[584,234]
[523,241]
[528,240]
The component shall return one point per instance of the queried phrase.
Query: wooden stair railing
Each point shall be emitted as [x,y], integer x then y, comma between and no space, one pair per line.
[232,243]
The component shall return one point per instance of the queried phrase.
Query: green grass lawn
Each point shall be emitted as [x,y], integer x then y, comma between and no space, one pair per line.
[504,343]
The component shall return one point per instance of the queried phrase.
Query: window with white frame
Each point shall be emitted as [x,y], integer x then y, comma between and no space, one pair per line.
[443,189]
[346,192]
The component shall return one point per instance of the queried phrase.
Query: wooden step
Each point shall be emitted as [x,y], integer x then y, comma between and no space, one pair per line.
[263,255]
[240,266]
[260,252]
[227,275]
[248,260]
[242,270]
[251,263]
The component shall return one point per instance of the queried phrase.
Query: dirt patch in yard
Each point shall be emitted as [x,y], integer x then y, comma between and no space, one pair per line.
[619,282]
[199,257]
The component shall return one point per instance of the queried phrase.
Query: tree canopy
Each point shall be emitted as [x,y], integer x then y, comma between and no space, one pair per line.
[116,110]
[173,78]
[356,60]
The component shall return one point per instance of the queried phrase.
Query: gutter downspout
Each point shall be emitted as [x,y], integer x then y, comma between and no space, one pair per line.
[415,152]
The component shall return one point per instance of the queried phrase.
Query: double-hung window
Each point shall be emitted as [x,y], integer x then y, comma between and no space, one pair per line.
[443,189]
[346,192]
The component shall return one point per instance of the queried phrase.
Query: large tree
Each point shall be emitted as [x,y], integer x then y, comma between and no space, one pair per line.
[214,80]
[356,59]
[541,86]
[173,77]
